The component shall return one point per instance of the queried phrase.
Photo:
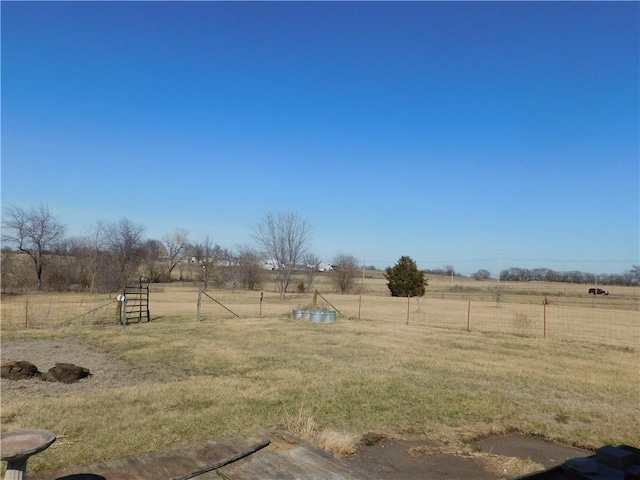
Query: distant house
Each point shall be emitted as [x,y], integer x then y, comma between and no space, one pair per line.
[325,267]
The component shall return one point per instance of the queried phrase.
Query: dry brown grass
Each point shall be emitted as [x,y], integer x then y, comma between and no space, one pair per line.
[328,383]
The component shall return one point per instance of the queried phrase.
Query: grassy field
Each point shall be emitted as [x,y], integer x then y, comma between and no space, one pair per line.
[329,383]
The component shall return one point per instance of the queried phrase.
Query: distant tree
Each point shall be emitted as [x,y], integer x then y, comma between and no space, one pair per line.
[95,246]
[7,270]
[405,280]
[248,267]
[36,232]
[153,254]
[482,274]
[66,270]
[176,244]
[345,271]
[206,255]
[124,241]
[311,264]
[284,238]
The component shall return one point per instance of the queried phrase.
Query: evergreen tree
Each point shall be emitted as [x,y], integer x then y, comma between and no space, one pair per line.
[405,280]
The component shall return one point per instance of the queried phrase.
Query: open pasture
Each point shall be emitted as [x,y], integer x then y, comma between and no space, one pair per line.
[542,310]
[188,381]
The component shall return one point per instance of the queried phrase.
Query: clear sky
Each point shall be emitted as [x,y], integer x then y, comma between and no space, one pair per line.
[463,133]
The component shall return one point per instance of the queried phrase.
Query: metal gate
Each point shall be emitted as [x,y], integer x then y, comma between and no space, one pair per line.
[136,305]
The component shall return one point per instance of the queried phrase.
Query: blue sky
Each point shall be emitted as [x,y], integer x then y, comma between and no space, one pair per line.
[456,133]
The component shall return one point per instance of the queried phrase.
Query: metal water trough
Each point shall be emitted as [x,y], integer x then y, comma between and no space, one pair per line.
[302,314]
[316,316]
[323,316]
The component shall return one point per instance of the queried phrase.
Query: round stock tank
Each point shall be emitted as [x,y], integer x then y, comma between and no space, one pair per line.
[301,314]
[319,316]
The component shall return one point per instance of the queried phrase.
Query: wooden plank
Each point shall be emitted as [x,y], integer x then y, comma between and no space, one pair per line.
[286,458]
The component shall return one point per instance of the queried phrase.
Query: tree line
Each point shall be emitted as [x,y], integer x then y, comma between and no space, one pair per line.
[109,255]
[630,277]
[36,255]
[516,274]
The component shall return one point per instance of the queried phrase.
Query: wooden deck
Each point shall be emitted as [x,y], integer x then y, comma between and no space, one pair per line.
[285,458]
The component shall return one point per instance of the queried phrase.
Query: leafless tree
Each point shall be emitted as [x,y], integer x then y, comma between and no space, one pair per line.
[285,239]
[95,244]
[248,267]
[345,271]
[176,244]
[124,240]
[7,270]
[207,255]
[17,272]
[36,232]
[311,264]
[67,269]
[153,254]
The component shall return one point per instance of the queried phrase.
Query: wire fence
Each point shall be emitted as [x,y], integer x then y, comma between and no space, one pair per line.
[594,322]
[48,311]
[609,321]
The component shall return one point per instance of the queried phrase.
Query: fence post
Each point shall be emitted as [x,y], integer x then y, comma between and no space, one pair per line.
[261,297]
[469,314]
[544,320]
[198,304]
[408,306]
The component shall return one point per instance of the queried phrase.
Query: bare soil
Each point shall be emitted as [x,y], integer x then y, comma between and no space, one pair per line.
[396,459]
[383,458]
[106,370]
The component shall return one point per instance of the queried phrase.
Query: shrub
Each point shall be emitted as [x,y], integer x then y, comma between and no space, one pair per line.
[523,322]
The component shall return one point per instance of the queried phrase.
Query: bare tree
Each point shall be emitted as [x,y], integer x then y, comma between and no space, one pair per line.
[124,240]
[248,267]
[311,265]
[68,267]
[345,271]
[211,257]
[153,253]
[284,238]
[95,240]
[36,232]
[176,244]
[7,270]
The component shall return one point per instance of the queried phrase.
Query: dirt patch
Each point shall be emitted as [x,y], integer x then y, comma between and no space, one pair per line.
[392,460]
[492,458]
[106,370]
[538,450]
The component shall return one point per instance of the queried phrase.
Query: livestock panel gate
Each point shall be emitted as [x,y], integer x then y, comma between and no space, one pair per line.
[136,302]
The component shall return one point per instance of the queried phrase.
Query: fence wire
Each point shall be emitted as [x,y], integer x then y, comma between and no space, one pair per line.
[606,321]
[50,311]
[593,323]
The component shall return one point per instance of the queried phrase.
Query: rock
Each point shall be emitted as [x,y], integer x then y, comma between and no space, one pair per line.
[66,373]
[19,370]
